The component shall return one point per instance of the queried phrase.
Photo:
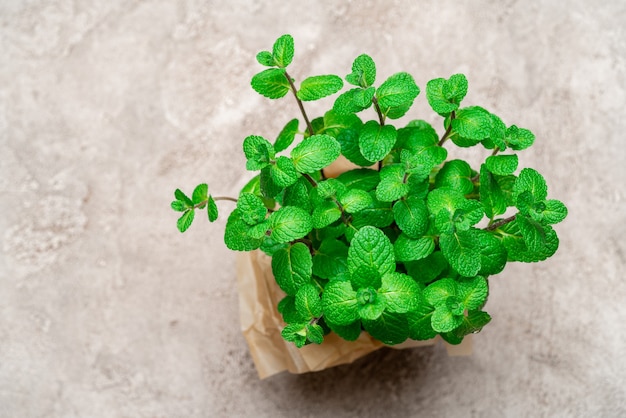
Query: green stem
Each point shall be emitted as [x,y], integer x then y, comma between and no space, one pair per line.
[381,118]
[448,131]
[309,127]
[501,222]
[310,179]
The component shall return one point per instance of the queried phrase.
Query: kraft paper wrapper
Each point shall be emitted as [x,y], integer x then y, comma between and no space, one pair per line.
[261,325]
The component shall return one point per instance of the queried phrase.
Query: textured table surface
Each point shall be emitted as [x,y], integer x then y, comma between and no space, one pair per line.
[107,107]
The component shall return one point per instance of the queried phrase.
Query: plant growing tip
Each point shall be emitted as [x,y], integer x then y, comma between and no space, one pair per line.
[398,252]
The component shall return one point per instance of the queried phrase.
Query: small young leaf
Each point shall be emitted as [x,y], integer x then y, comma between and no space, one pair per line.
[287,135]
[271,83]
[400,293]
[530,180]
[371,306]
[283,51]
[308,301]
[519,138]
[355,200]
[371,247]
[295,333]
[315,153]
[363,71]
[456,175]
[292,267]
[265,58]
[390,328]
[179,206]
[317,87]
[376,141]
[339,303]
[200,194]
[502,164]
[443,320]
[236,234]
[396,95]
[315,333]
[258,152]
[554,212]
[444,96]
[289,223]
[392,184]
[184,222]
[183,198]
[472,122]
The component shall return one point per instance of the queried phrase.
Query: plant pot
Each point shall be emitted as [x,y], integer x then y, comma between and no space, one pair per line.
[261,324]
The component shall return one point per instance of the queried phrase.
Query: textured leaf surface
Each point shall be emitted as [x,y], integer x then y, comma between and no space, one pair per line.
[371,247]
[472,122]
[317,87]
[292,267]
[271,83]
[363,71]
[289,223]
[392,184]
[283,51]
[411,216]
[339,303]
[462,251]
[390,328]
[287,135]
[376,141]
[315,153]
[400,293]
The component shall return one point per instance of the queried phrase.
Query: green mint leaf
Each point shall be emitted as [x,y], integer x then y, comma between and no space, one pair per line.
[289,223]
[371,247]
[315,153]
[379,214]
[409,249]
[212,209]
[283,172]
[329,188]
[363,71]
[350,332]
[392,184]
[444,96]
[179,195]
[251,208]
[355,200]
[258,152]
[427,269]
[419,321]
[438,292]
[308,301]
[496,135]
[184,222]
[515,243]
[287,135]
[287,308]
[554,212]
[292,268]
[472,292]
[298,195]
[259,231]
[400,293]
[389,328]
[200,194]
[493,255]
[411,216]
[335,123]
[360,178]
[295,333]
[456,175]
[325,214]
[473,123]
[364,277]
[396,94]
[349,141]
[339,303]
[354,100]
[271,83]
[444,198]
[283,51]
[330,259]
[533,233]
[519,138]
[472,323]
[265,58]
[371,306]
[315,333]
[236,234]
[317,87]
[269,188]
[502,164]
[444,320]
[376,141]
[530,180]
[491,195]
[179,206]
[462,251]
[467,215]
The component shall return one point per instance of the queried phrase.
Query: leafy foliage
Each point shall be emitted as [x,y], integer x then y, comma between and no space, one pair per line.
[403,245]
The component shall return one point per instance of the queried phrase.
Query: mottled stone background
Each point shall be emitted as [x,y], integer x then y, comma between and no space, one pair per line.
[107,106]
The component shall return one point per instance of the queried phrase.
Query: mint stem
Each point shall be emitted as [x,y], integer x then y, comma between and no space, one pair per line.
[309,127]
[310,179]
[501,222]
[448,131]
[381,118]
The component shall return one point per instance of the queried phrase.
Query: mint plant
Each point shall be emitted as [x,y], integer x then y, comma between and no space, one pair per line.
[403,246]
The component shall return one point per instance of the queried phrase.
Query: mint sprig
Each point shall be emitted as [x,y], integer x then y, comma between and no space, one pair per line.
[403,245]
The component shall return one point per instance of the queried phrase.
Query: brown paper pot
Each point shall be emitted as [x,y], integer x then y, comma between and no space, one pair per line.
[261,325]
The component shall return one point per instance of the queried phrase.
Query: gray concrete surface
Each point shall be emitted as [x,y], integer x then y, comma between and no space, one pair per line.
[106,107]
